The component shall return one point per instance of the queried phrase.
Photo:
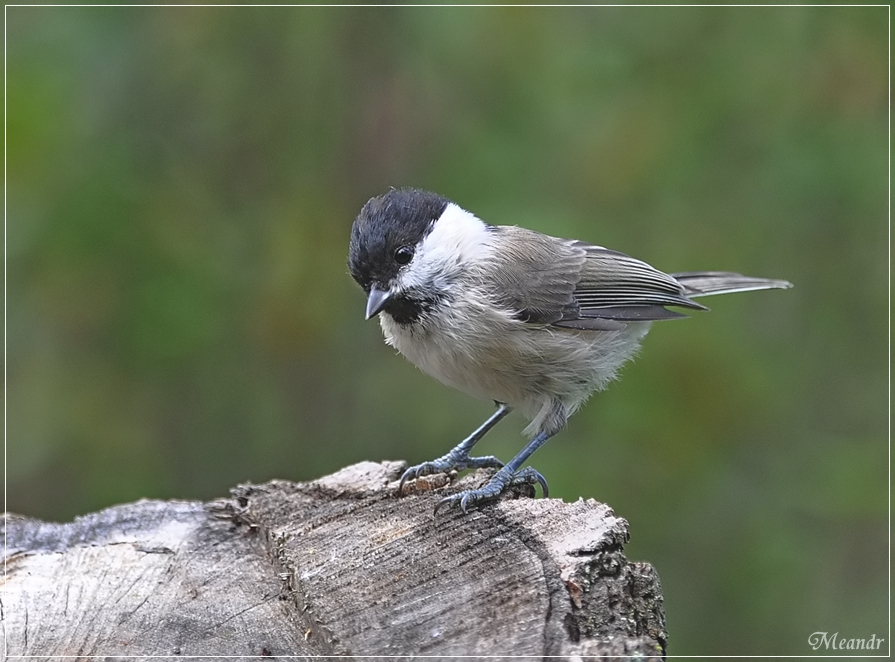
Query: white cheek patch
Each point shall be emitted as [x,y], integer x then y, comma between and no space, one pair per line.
[457,239]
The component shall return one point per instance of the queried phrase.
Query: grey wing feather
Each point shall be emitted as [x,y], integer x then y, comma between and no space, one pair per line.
[617,286]
[538,275]
[577,285]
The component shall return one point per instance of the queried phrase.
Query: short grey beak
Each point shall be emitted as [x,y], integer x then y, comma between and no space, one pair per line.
[376,301]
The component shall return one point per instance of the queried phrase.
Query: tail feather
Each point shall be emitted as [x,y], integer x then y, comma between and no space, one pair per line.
[705,283]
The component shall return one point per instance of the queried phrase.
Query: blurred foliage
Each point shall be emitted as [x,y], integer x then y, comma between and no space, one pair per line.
[181,183]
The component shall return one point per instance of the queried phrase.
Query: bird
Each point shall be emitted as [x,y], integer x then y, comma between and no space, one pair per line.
[532,322]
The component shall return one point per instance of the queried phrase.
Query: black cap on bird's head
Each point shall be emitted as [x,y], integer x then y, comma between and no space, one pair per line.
[384,237]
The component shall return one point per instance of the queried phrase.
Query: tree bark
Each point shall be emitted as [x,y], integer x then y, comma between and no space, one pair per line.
[339,565]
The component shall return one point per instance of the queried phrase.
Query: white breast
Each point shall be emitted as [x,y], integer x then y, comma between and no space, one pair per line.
[490,356]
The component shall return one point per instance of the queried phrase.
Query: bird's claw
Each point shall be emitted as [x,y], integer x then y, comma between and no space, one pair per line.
[446,464]
[499,483]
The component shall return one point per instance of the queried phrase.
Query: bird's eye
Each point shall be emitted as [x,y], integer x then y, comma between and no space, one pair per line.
[403,255]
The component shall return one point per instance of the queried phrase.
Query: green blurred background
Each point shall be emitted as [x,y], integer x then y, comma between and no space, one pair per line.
[181,184]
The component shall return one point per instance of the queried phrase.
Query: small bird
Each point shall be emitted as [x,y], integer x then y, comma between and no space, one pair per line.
[533,322]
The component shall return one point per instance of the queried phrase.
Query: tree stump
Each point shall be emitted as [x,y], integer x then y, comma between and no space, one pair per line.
[339,565]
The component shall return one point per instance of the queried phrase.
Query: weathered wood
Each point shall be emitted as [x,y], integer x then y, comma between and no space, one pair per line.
[335,566]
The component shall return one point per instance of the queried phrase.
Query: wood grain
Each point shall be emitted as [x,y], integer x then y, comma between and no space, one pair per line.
[335,566]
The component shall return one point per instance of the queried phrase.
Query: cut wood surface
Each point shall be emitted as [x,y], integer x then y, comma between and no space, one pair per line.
[337,566]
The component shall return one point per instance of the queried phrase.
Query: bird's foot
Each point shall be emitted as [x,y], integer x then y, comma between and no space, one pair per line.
[499,483]
[450,462]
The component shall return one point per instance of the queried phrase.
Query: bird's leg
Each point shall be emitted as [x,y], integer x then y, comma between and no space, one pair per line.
[458,457]
[510,474]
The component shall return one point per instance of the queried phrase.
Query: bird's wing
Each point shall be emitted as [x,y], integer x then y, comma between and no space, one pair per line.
[616,286]
[578,285]
[535,276]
